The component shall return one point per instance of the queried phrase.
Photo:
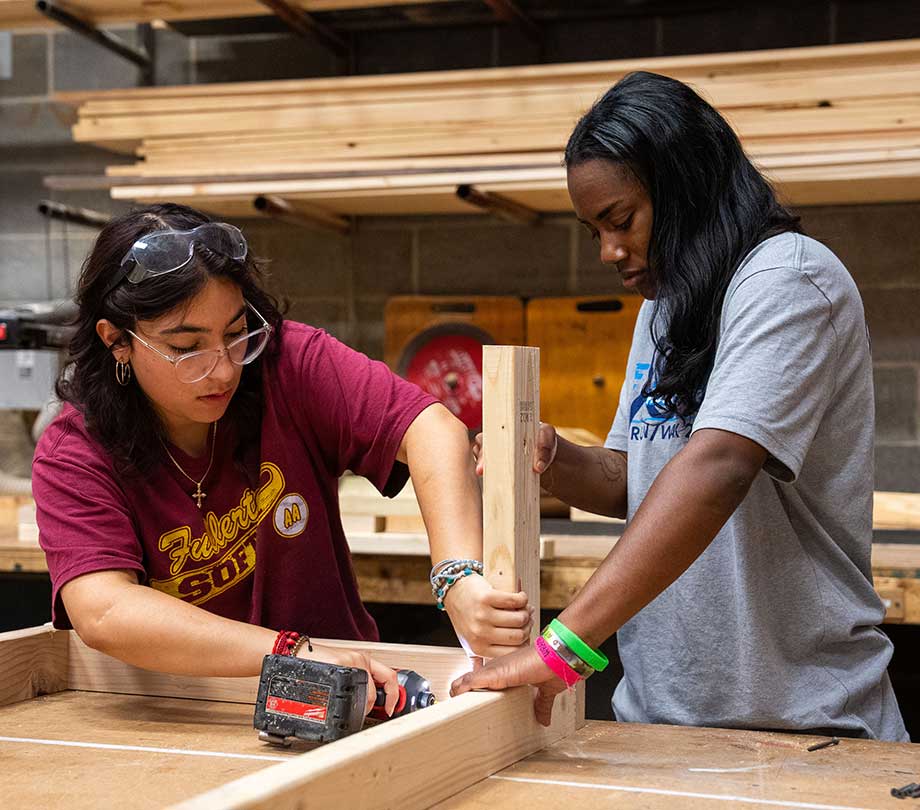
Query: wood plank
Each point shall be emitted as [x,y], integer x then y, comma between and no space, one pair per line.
[511,489]
[35,662]
[896,510]
[93,671]
[457,743]
[665,767]
[727,67]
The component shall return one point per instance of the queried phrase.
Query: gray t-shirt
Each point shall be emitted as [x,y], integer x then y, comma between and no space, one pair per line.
[774,625]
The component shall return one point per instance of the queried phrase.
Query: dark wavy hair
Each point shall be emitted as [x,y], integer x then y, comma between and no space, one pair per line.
[122,418]
[710,206]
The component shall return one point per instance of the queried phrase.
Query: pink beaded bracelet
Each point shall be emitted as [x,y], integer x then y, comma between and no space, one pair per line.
[559,667]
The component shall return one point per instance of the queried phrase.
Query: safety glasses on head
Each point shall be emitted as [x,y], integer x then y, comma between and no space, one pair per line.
[160,252]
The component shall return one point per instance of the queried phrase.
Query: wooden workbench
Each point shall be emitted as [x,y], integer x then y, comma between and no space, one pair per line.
[616,765]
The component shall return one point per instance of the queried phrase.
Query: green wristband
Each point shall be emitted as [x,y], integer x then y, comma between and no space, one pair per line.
[593,658]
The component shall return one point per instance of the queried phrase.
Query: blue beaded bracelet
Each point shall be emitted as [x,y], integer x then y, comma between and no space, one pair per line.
[448,573]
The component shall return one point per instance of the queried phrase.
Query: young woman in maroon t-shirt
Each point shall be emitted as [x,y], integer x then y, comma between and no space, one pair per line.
[187,493]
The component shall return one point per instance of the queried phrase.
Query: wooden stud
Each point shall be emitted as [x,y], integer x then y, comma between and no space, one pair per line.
[34,663]
[511,488]
[409,763]
[93,671]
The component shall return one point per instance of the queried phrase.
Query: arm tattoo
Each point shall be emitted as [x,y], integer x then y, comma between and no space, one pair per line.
[611,465]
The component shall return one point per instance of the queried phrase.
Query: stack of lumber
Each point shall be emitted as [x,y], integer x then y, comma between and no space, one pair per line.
[22,13]
[835,124]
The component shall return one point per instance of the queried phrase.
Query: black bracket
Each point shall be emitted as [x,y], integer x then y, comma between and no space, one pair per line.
[499,205]
[71,213]
[508,11]
[140,57]
[304,24]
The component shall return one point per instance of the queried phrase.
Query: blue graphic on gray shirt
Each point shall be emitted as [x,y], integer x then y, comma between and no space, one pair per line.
[649,419]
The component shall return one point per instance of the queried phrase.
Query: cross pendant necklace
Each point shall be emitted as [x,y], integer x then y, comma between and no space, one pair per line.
[198,494]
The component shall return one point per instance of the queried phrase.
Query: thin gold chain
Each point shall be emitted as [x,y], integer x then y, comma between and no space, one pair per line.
[198,494]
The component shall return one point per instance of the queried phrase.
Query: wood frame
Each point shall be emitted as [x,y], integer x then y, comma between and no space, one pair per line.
[483,732]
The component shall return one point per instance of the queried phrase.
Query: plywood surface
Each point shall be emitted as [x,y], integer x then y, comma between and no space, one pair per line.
[192,745]
[619,765]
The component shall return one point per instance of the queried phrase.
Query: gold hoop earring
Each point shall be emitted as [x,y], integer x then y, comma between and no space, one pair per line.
[122,372]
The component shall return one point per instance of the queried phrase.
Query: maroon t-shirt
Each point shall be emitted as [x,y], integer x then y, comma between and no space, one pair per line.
[273,554]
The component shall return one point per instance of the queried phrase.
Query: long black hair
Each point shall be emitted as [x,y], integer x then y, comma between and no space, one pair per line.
[121,418]
[710,207]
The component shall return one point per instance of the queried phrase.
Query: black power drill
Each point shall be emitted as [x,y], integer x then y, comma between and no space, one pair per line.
[319,702]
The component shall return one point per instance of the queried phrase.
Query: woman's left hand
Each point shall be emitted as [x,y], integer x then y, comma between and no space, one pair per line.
[520,667]
[490,622]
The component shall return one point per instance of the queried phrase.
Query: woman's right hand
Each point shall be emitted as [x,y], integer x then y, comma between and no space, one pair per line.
[543,454]
[377,673]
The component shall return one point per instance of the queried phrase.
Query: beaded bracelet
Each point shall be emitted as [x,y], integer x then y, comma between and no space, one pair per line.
[593,658]
[559,667]
[300,642]
[285,641]
[558,646]
[447,573]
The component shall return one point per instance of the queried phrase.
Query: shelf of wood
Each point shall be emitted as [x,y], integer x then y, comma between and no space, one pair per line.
[834,124]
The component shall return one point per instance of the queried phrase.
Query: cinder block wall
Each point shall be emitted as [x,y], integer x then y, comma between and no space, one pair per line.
[342,283]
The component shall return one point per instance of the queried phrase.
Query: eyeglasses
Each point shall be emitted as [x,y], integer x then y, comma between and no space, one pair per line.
[195,366]
[161,252]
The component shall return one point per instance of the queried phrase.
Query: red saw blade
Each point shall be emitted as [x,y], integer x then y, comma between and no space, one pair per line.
[446,362]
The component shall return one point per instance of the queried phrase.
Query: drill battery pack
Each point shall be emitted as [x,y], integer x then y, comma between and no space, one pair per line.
[310,700]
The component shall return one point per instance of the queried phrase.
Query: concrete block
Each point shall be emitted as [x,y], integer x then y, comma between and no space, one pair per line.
[369,335]
[29,67]
[35,123]
[494,259]
[303,263]
[879,244]
[80,64]
[20,193]
[326,313]
[383,260]
[897,467]
[893,325]
[26,271]
[895,403]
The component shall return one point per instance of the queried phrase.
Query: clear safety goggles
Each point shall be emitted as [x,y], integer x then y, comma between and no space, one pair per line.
[161,252]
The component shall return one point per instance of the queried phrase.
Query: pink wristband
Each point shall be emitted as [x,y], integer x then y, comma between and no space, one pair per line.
[559,667]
